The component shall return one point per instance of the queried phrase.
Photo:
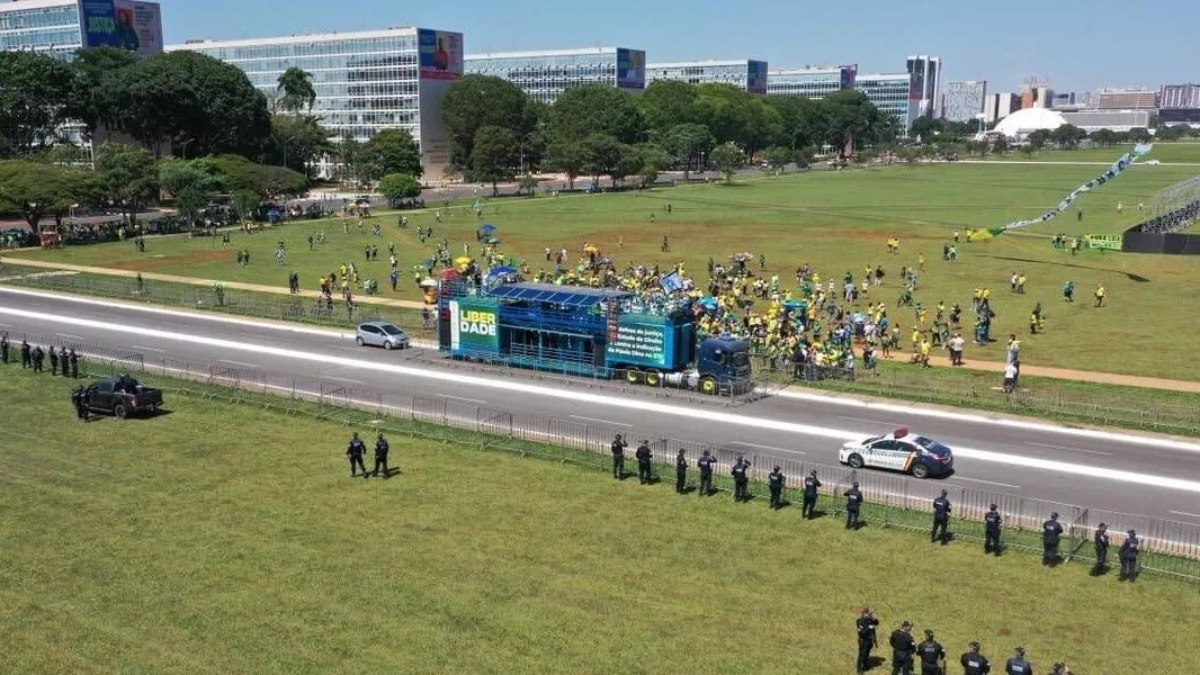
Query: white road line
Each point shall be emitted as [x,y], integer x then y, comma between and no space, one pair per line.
[1185,513]
[768,447]
[463,398]
[238,363]
[987,482]
[730,420]
[597,419]
[1067,448]
[149,349]
[73,337]
[344,379]
[875,422]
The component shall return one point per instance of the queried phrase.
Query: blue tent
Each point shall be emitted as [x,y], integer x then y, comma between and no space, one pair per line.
[487,228]
[502,270]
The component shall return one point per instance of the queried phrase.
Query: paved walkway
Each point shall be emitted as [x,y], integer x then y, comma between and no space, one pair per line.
[940,361]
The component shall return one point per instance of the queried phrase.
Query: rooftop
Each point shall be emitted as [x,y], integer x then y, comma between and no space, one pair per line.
[571,296]
[293,39]
[586,51]
[706,62]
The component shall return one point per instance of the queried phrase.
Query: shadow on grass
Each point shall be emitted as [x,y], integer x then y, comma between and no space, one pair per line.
[1131,276]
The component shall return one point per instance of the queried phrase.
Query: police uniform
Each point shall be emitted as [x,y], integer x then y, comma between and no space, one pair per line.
[38,357]
[1017,665]
[741,480]
[941,518]
[77,401]
[73,360]
[355,452]
[645,469]
[1051,533]
[776,481]
[1129,556]
[681,466]
[618,453]
[705,465]
[865,625]
[902,650]
[25,354]
[1100,541]
[4,348]
[811,485]
[853,504]
[991,531]
[974,663]
[381,453]
[931,654]
[53,361]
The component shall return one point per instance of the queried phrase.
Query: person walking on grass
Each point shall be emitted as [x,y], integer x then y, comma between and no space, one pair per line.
[355,452]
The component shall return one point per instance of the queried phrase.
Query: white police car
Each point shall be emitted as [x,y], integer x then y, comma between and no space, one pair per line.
[899,451]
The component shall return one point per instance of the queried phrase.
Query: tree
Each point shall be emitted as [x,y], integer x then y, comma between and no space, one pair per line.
[127,177]
[1068,136]
[1038,138]
[390,151]
[34,89]
[1000,145]
[97,87]
[852,119]
[804,157]
[728,158]
[690,143]
[802,121]
[601,153]
[654,160]
[297,141]
[349,158]
[595,108]
[527,185]
[777,157]
[245,202]
[495,157]
[1140,135]
[192,183]
[667,103]
[295,90]
[629,163]
[38,189]
[476,101]
[567,157]
[926,129]
[397,187]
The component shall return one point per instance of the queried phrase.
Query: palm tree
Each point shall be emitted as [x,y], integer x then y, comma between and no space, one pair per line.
[297,90]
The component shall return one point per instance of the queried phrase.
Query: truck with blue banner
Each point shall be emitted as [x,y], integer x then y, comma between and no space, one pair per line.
[586,331]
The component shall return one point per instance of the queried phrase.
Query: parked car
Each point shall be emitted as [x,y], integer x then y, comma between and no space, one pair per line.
[381,334]
[122,396]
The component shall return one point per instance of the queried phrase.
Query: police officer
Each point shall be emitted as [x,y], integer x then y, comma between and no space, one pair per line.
[618,454]
[941,518]
[991,531]
[681,466]
[1129,556]
[1017,665]
[854,499]
[4,348]
[39,356]
[77,401]
[865,625]
[73,361]
[381,453]
[705,464]
[1051,533]
[811,485]
[643,454]
[775,482]
[902,649]
[53,361]
[741,480]
[26,358]
[1100,542]
[932,656]
[355,452]
[973,662]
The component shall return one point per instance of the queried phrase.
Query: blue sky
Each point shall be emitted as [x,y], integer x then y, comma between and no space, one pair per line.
[1077,45]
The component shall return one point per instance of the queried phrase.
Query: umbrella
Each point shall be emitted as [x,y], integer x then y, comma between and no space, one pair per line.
[487,228]
[428,282]
[591,248]
[463,260]
[502,270]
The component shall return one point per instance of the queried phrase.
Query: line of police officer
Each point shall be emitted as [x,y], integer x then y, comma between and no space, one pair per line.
[34,357]
[358,449]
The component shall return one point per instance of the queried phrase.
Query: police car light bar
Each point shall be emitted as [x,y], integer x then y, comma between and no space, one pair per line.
[901,432]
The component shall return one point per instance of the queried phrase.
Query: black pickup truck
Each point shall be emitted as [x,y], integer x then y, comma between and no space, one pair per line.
[122,396]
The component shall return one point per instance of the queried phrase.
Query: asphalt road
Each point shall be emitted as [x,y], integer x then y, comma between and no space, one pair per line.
[1117,471]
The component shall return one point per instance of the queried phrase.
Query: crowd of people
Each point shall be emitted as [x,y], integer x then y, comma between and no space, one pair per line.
[62,361]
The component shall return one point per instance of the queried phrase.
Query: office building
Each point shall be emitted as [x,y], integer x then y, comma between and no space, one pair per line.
[365,82]
[1125,99]
[1179,96]
[890,93]
[925,82]
[811,81]
[61,27]
[1037,97]
[1113,120]
[962,101]
[746,74]
[543,75]
[999,106]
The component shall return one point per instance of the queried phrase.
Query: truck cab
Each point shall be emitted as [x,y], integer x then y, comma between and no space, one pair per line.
[723,361]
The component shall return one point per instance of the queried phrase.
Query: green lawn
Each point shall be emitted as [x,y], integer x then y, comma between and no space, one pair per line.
[182,544]
[837,221]
[1184,151]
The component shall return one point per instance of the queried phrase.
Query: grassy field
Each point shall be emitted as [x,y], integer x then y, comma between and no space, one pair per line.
[837,221]
[1185,152]
[181,544]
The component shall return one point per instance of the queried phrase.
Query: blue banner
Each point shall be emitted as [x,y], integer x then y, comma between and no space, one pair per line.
[631,68]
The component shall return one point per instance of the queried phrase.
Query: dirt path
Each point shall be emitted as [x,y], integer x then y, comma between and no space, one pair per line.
[990,366]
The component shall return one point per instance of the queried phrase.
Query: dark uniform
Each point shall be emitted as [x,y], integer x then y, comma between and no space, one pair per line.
[1017,665]
[741,480]
[775,482]
[78,402]
[53,361]
[931,654]
[941,518]
[1129,556]
[991,531]
[811,485]
[4,348]
[73,361]
[381,453]
[865,625]
[705,464]
[25,354]
[681,466]
[618,453]
[645,468]
[974,663]
[39,357]
[1051,533]
[1100,540]
[903,646]
[854,499]
[355,452]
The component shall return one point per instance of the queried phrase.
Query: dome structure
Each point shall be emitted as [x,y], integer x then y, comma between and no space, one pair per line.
[1024,122]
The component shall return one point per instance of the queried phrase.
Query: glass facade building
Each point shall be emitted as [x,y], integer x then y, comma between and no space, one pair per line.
[46,26]
[925,73]
[811,82]
[962,101]
[543,75]
[889,93]
[747,74]
[365,82]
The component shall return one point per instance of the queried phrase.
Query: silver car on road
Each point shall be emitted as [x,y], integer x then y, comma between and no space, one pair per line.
[381,334]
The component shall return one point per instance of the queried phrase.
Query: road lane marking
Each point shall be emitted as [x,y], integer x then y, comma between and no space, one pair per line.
[731,420]
[987,482]
[344,379]
[597,419]
[73,337]
[1067,448]
[238,363]
[1185,513]
[463,398]
[149,349]
[767,447]
[892,425]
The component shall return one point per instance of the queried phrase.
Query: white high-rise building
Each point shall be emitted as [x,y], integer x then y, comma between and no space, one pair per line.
[745,74]
[543,75]
[925,81]
[962,101]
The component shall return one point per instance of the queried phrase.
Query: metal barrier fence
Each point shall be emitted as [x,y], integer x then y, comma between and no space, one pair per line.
[893,500]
